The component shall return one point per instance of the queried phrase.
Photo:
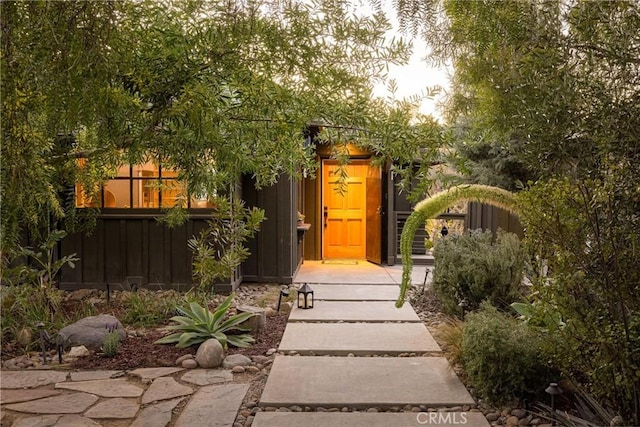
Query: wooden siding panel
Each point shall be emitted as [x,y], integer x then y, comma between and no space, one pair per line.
[180,267]
[133,243]
[156,255]
[113,247]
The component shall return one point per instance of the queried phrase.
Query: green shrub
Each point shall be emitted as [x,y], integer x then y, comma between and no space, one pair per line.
[146,308]
[111,341]
[471,267]
[503,356]
[197,324]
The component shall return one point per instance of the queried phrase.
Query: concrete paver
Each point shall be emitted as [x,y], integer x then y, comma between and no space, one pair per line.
[356,292]
[340,339]
[354,311]
[363,272]
[362,419]
[213,406]
[361,382]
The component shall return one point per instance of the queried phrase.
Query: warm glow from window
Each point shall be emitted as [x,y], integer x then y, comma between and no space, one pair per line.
[142,187]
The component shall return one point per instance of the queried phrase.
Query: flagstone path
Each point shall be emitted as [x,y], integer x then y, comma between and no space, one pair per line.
[143,397]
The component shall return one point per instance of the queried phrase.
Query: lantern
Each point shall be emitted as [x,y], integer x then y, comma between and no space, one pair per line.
[305,297]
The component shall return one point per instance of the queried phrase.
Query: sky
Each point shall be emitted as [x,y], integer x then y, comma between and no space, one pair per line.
[417,75]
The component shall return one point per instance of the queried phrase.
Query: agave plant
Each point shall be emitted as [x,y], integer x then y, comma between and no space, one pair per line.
[197,324]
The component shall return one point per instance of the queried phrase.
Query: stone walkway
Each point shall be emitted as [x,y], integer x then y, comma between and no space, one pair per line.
[356,360]
[142,398]
[351,361]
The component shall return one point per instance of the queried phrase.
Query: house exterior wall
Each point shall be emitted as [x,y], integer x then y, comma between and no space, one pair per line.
[131,248]
[275,251]
[128,249]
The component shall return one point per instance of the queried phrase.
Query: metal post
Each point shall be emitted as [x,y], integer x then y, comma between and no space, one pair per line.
[43,348]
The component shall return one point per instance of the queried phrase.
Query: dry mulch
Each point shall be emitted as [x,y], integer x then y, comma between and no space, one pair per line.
[141,352]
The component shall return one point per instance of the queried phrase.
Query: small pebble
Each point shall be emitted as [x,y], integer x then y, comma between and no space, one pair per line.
[238,369]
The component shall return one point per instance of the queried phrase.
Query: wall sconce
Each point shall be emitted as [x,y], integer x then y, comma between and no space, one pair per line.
[305,297]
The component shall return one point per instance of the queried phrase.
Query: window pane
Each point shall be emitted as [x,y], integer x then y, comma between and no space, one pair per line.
[146,193]
[148,169]
[124,171]
[169,173]
[116,194]
[173,193]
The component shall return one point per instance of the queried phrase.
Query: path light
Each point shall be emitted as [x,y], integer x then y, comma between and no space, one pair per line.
[284,292]
[553,390]
[43,337]
[463,306]
[305,297]
[444,231]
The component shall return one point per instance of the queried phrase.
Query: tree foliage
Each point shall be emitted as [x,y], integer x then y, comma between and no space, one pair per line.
[214,89]
[553,87]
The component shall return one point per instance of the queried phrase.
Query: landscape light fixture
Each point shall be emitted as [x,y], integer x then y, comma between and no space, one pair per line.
[463,304]
[305,297]
[553,390]
[284,292]
[43,337]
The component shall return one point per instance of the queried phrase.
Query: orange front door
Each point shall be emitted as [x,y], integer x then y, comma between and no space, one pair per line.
[344,209]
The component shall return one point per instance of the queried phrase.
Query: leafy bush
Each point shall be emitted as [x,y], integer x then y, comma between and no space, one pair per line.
[471,267]
[502,356]
[197,324]
[586,234]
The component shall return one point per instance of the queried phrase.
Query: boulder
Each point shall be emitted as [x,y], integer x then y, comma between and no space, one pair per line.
[210,354]
[234,360]
[89,332]
[255,323]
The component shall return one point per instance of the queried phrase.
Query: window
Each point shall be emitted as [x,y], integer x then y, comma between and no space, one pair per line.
[146,186]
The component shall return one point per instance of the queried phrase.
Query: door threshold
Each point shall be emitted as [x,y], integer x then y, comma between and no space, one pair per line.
[341,261]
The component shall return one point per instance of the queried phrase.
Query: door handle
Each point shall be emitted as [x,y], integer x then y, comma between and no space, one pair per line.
[326,216]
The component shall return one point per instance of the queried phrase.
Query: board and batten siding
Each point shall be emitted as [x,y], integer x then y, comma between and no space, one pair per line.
[126,250]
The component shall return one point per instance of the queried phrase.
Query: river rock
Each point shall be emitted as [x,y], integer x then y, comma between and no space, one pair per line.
[210,354]
[233,360]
